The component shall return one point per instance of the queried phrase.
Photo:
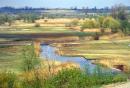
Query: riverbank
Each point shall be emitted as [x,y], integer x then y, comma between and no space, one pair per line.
[110,53]
[11,59]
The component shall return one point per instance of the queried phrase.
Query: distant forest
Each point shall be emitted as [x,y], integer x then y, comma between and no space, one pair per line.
[41,10]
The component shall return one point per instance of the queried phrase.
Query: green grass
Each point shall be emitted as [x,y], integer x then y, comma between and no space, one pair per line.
[10,58]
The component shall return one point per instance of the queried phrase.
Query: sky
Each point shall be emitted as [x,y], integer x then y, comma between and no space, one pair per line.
[62,3]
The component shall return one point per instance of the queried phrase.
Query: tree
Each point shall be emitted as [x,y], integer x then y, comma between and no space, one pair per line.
[125,26]
[10,19]
[7,18]
[29,17]
[90,23]
[100,20]
[2,19]
[120,12]
[111,23]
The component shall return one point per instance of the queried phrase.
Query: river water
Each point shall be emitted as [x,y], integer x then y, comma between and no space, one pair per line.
[48,52]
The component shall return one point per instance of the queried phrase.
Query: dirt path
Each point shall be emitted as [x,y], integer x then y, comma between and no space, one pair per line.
[118,85]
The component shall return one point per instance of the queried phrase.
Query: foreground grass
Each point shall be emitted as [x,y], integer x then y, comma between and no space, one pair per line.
[66,78]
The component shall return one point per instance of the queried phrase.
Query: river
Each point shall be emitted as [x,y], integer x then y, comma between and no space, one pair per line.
[48,52]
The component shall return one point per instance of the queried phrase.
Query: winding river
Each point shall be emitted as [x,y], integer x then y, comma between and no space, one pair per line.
[49,53]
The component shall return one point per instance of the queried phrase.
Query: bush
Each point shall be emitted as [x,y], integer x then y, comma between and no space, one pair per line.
[90,24]
[75,78]
[67,78]
[37,25]
[111,23]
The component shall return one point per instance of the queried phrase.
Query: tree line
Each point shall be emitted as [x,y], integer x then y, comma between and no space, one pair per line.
[118,20]
[10,18]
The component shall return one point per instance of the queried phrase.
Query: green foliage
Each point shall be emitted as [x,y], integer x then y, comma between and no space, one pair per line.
[6,18]
[2,19]
[120,12]
[103,23]
[30,60]
[29,17]
[67,79]
[90,24]
[100,20]
[75,78]
[125,26]
[111,23]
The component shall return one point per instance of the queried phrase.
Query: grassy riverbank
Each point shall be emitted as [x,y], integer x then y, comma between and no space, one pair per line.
[107,52]
[66,78]
[10,58]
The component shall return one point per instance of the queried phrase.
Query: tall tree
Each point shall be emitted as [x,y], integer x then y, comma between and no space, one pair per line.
[120,12]
[111,23]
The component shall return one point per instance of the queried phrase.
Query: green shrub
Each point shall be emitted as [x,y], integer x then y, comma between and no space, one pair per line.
[111,23]
[90,24]
[75,78]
